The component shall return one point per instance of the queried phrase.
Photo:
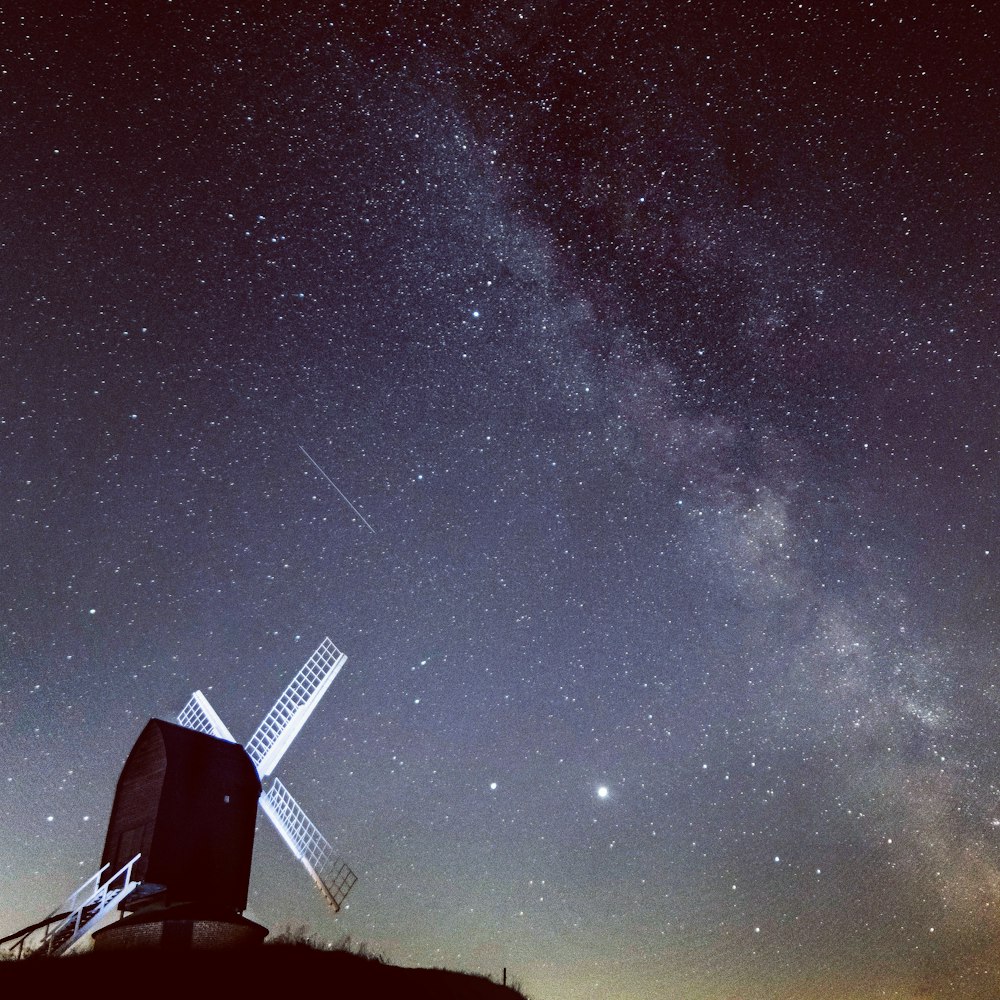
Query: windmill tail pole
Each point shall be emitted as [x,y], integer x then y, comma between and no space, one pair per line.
[25,931]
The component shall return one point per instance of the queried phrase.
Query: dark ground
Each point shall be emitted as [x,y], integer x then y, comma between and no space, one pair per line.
[269,970]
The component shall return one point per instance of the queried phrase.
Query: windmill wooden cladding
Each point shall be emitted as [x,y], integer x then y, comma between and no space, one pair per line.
[188,803]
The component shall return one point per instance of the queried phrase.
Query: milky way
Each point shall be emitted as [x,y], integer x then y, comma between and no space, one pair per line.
[654,352]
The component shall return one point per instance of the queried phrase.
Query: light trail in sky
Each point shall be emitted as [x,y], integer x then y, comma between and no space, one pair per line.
[338,489]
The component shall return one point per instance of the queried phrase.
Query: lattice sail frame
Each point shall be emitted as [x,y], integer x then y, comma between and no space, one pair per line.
[282,724]
[199,715]
[331,874]
[267,746]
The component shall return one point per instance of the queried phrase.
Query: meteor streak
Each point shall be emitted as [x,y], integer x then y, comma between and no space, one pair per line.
[337,488]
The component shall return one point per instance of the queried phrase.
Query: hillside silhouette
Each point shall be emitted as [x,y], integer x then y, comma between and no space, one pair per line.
[270,969]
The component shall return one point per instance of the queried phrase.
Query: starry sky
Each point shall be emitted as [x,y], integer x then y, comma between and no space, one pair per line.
[657,345]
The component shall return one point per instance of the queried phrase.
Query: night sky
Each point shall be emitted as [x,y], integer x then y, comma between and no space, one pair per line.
[657,343]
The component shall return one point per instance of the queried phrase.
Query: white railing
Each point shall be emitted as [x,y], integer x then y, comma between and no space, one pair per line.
[83,915]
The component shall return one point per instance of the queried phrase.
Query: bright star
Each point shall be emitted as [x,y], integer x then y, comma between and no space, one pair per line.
[602,792]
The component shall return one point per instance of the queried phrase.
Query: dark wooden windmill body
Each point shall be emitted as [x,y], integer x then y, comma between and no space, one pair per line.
[186,803]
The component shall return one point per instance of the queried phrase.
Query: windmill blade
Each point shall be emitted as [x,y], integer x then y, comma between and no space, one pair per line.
[334,879]
[282,724]
[199,715]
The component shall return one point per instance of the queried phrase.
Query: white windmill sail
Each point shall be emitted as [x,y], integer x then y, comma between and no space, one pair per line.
[332,875]
[282,724]
[266,747]
[199,715]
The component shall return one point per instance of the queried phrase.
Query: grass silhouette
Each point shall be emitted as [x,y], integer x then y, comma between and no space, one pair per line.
[291,959]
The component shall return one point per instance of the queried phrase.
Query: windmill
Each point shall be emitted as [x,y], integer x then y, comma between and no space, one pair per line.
[180,835]
[266,748]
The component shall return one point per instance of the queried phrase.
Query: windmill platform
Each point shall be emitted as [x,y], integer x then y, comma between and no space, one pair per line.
[179,929]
